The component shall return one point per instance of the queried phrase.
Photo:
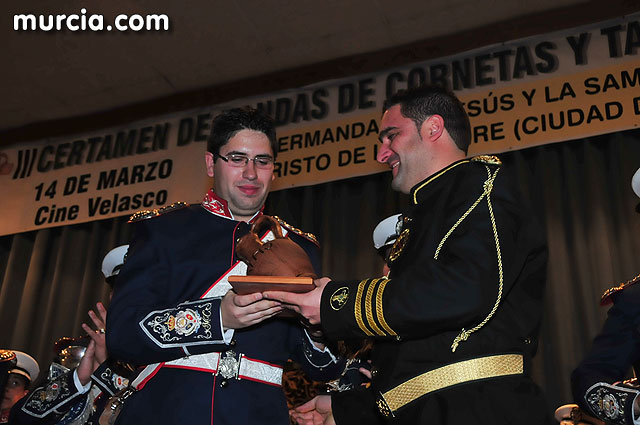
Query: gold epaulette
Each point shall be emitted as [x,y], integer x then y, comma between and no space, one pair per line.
[606,297]
[309,236]
[145,214]
[487,159]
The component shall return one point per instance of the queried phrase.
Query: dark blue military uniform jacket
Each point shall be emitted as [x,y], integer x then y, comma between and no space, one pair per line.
[59,401]
[467,277]
[157,315]
[597,381]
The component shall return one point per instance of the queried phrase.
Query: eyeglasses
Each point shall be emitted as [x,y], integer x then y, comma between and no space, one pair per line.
[240,160]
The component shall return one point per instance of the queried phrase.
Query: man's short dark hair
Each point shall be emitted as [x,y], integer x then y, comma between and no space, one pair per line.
[419,103]
[228,123]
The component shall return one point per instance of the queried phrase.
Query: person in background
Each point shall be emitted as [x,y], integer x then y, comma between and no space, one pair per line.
[19,379]
[357,351]
[82,376]
[298,388]
[7,362]
[599,383]
[384,236]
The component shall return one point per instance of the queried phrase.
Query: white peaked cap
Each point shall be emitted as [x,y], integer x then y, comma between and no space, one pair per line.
[26,366]
[385,232]
[635,183]
[114,260]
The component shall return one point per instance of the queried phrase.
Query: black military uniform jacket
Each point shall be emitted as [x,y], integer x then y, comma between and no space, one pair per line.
[467,277]
[598,382]
[166,310]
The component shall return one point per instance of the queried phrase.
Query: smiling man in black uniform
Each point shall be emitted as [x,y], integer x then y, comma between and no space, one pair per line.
[456,321]
[213,357]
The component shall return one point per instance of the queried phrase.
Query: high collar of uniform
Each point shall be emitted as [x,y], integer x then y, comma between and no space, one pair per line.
[218,206]
[419,191]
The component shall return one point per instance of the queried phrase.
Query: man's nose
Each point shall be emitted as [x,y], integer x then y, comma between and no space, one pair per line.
[383,153]
[249,171]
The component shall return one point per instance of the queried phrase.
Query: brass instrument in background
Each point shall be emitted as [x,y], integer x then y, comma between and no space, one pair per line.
[69,351]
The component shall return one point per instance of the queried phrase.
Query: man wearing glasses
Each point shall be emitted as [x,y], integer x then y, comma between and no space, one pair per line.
[212,356]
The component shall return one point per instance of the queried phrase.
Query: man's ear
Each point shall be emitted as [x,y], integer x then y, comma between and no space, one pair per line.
[432,128]
[209,161]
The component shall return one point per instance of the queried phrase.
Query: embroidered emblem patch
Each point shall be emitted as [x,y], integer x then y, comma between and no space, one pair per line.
[609,405]
[186,322]
[608,400]
[399,245]
[183,324]
[339,298]
[119,382]
[51,392]
[44,400]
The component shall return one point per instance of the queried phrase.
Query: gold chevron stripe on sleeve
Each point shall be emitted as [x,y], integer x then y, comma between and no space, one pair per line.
[357,307]
[379,311]
[368,307]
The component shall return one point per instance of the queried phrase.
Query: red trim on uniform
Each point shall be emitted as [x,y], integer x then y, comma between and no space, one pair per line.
[151,375]
[259,380]
[262,361]
[219,279]
[258,214]
[216,205]
[233,244]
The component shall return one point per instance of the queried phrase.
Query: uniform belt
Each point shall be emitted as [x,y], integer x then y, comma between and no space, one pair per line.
[447,376]
[230,365]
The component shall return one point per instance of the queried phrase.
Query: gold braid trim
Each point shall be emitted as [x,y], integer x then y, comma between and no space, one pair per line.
[379,312]
[357,308]
[146,214]
[368,306]
[606,297]
[488,187]
[6,355]
[447,376]
[310,236]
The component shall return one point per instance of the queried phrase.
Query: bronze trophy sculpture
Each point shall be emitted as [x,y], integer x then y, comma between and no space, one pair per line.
[279,257]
